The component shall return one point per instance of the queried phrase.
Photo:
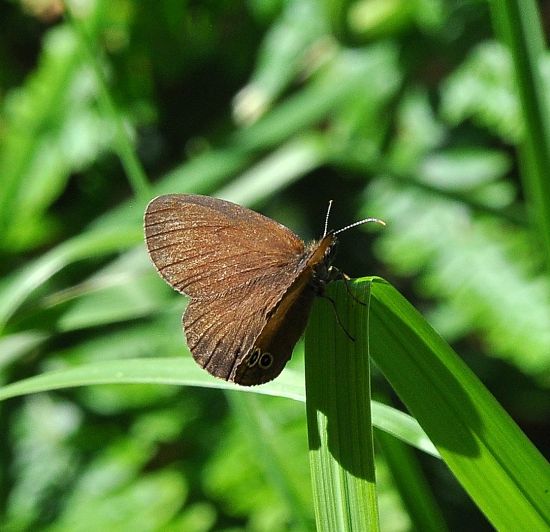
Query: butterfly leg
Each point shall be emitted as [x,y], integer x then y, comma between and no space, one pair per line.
[339,275]
[333,303]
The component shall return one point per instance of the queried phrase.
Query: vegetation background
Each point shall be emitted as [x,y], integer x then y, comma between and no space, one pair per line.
[404,110]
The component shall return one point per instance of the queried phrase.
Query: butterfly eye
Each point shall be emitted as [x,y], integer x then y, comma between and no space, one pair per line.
[266,360]
[254,357]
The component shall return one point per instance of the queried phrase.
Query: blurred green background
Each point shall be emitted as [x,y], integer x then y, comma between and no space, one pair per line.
[404,110]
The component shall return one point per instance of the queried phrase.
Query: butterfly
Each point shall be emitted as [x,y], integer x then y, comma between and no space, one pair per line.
[251,281]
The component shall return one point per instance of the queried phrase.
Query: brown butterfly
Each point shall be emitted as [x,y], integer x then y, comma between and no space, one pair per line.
[251,281]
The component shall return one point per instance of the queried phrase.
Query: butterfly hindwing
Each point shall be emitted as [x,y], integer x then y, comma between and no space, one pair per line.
[221,332]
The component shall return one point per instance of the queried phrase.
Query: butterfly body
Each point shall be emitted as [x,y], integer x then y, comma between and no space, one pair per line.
[251,281]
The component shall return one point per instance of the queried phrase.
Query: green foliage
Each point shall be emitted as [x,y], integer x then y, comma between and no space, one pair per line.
[409,111]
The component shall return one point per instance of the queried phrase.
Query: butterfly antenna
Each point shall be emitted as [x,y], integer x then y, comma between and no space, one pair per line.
[326,218]
[360,222]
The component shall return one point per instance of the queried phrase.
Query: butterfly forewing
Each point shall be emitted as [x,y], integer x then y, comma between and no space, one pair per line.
[203,246]
[234,263]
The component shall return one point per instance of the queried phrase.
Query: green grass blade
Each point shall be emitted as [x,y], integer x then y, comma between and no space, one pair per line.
[15,346]
[96,243]
[124,148]
[283,166]
[401,426]
[364,70]
[339,416]
[183,371]
[254,420]
[409,480]
[18,148]
[172,370]
[494,461]
[519,25]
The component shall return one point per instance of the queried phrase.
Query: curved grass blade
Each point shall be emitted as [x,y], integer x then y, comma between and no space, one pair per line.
[495,462]
[185,372]
[19,285]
